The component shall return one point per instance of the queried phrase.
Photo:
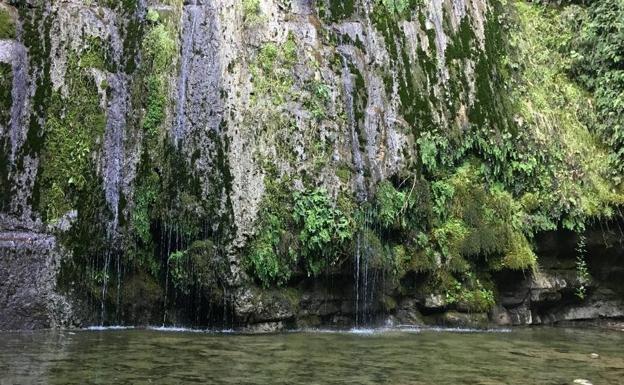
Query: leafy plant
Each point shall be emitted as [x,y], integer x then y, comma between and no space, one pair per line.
[324,228]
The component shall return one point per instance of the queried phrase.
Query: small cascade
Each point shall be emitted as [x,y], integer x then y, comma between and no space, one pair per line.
[356,153]
[114,143]
[191,14]
[16,55]
[364,275]
[19,95]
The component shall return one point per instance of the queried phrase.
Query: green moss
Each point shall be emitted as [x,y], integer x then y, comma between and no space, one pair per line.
[335,10]
[252,13]
[7,26]
[73,128]
[199,268]
[96,55]
[6,100]
[344,173]
[272,71]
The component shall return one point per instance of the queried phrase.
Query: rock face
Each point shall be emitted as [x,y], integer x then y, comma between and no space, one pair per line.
[146,142]
[29,263]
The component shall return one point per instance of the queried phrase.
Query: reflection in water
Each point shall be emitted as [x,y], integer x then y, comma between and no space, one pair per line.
[136,356]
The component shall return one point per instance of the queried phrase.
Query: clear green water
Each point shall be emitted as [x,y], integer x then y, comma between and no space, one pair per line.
[522,356]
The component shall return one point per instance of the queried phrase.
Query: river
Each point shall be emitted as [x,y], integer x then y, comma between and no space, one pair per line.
[377,356]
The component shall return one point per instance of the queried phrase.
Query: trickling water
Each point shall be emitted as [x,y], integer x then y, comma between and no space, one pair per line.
[357,281]
[347,82]
[104,287]
[190,15]
[114,143]
[15,54]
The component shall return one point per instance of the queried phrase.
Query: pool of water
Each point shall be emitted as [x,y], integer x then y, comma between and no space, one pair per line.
[434,356]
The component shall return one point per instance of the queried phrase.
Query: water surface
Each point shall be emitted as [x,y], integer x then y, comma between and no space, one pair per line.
[437,357]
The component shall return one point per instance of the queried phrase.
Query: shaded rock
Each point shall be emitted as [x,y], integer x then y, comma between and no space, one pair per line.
[521,315]
[500,316]
[309,322]
[408,314]
[595,307]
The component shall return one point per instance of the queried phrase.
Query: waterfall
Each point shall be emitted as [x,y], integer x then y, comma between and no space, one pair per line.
[362,289]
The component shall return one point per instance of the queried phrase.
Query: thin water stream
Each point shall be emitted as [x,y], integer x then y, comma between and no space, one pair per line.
[177,356]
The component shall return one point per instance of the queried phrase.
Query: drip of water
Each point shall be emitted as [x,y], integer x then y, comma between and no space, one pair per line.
[357,281]
[104,287]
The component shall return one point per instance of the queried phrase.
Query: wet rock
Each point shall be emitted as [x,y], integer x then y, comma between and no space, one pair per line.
[341,321]
[408,314]
[434,301]
[462,320]
[255,305]
[603,304]
[521,315]
[500,316]
[29,264]
[309,322]
[264,327]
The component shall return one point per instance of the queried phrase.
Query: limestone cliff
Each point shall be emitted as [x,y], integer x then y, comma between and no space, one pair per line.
[277,162]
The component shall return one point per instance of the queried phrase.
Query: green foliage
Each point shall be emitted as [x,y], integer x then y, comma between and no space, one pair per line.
[272,254]
[401,7]
[159,48]
[582,271]
[335,10]
[599,65]
[96,55]
[470,294]
[72,131]
[571,179]
[267,259]
[252,12]
[7,27]
[389,203]
[272,71]
[152,15]
[198,268]
[296,229]
[324,229]
[145,196]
